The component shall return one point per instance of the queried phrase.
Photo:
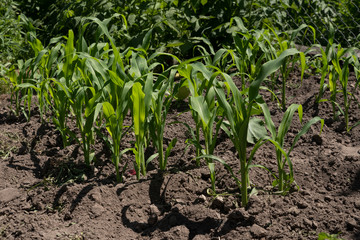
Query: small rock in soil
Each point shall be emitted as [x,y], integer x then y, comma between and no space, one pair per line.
[96,197]
[9,194]
[202,237]
[97,210]
[317,139]
[302,204]
[307,222]
[328,198]
[315,225]
[181,232]
[67,216]
[357,204]
[350,224]
[218,203]
[258,231]
[154,210]
[257,206]
[201,199]
[239,215]
[178,207]
[294,211]
[263,220]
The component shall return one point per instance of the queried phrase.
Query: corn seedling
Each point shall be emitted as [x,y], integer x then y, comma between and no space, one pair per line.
[84,105]
[284,179]
[342,73]
[114,116]
[16,77]
[238,113]
[43,67]
[140,109]
[328,236]
[195,75]
[326,58]
[205,109]
[290,61]
[160,104]
[249,56]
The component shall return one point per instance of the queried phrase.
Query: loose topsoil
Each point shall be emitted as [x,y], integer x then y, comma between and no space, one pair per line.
[46,192]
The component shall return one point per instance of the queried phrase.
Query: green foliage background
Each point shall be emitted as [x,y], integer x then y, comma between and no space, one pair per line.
[11,40]
[176,25]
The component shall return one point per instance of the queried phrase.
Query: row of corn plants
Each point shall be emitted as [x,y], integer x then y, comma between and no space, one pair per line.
[334,64]
[98,86]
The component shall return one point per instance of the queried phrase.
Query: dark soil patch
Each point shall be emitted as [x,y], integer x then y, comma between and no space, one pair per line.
[47,193]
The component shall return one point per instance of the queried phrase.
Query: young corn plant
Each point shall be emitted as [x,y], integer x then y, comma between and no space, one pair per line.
[115,114]
[15,79]
[86,94]
[326,68]
[238,112]
[285,179]
[196,77]
[223,59]
[43,68]
[250,55]
[62,84]
[342,73]
[140,109]
[160,104]
[289,64]
[205,109]
[191,85]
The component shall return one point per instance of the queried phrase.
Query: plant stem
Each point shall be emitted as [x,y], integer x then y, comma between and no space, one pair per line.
[281,171]
[244,180]
[142,159]
[347,118]
[116,161]
[283,98]
[161,153]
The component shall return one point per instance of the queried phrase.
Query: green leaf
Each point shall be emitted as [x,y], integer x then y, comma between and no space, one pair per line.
[168,149]
[267,69]
[268,121]
[175,43]
[305,129]
[152,157]
[199,105]
[256,130]
[147,39]
[108,109]
[116,79]
[137,98]
[28,85]
[286,122]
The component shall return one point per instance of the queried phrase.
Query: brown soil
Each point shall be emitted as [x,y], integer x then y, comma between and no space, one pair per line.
[47,193]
